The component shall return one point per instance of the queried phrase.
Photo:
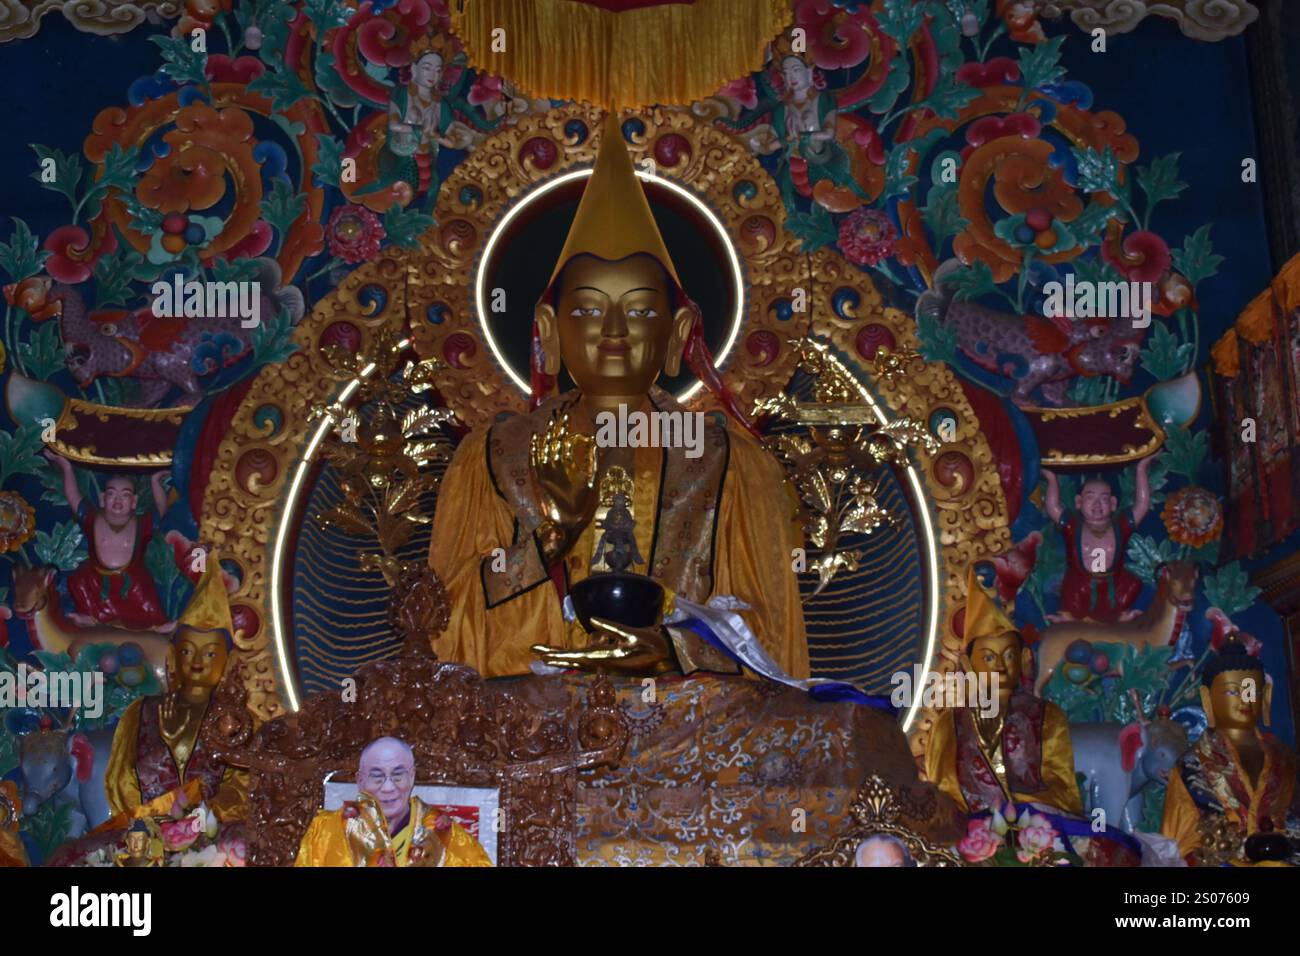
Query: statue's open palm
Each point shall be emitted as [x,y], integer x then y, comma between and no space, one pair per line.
[564,467]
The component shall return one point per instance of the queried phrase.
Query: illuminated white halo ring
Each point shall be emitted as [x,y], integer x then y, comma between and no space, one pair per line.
[733,259]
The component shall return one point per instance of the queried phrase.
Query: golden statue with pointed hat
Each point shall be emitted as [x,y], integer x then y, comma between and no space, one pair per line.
[1015,748]
[519,515]
[160,744]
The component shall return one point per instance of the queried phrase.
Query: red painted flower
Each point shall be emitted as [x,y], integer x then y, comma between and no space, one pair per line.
[74,254]
[744,92]
[486,88]
[837,39]
[1144,256]
[385,38]
[867,236]
[999,71]
[220,68]
[354,233]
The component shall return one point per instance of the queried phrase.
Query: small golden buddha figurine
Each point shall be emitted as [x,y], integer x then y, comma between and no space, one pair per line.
[703,521]
[143,847]
[1237,780]
[1019,753]
[159,746]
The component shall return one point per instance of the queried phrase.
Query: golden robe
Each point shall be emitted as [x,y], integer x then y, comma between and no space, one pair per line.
[1210,780]
[1046,774]
[141,770]
[720,524]
[356,834]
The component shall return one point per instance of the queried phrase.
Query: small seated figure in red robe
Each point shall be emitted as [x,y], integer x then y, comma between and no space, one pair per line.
[113,585]
[1097,586]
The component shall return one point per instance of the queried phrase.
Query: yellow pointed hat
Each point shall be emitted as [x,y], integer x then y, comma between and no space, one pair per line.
[614,219]
[984,618]
[209,607]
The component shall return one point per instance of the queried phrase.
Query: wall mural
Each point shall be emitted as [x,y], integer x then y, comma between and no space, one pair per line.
[946,298]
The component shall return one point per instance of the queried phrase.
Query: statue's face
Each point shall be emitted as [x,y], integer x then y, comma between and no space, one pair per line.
[428,69]
[387,773]
[200,657]
[1237,699]
[613,325]
[135,843]
[1001,655]
[797,74]
[1096,502]
[119,499]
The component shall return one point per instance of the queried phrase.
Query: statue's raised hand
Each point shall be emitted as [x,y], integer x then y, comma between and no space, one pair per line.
[564,467]
[628,650]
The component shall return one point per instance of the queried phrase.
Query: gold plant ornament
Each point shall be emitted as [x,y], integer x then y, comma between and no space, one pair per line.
[837,471]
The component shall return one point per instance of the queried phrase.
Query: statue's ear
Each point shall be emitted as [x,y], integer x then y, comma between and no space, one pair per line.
[683,321]
[548,334]
[1026,664]
[964,660]
[1266,703]
[1207,705]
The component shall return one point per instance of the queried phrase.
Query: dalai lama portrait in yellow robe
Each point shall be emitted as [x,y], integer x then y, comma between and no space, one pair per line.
[387,825]
[509,538]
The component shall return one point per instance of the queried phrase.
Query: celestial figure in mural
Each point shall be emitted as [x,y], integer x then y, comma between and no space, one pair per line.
[1097,586]
[1236,778]
[510,530]
[420,120]
[1022,753]
[161,743]
[882,850]
[387,825]
[113,585]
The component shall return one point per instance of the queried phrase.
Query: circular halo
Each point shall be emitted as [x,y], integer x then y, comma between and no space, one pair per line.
[720,237]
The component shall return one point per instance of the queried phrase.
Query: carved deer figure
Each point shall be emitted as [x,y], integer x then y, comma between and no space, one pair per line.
[49,630]
[1158,625]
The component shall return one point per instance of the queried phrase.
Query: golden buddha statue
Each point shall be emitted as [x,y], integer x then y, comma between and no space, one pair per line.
[1236,778]
[143,845]
[1021,752]
[525,508]
[160,744]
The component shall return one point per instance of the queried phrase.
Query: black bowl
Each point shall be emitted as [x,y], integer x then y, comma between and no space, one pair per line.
[632,600]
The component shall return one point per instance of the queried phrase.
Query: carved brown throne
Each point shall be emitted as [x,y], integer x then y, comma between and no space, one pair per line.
[464,732]
[878,811]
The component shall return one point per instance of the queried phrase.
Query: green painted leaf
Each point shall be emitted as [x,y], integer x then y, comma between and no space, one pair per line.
[180,61]
[42,353]
[405,226]
[18,452]
[273,341]
[21,256]
[1098,171]
[1164,355]
[282,86]
[1040,64]
[1196,259]
[328,168]
[973,281]
[64,548]
[899,19]
[1145,556]
[1089,224]
[898,180]
[815,228]
[282,205]
[1185,451]
[942,213]
[67,171]
[1160,181]
[1229,589]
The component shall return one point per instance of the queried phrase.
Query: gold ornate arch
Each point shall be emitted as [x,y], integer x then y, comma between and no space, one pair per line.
[254,497]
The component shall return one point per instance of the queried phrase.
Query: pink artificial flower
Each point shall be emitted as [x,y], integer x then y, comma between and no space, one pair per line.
[1035,837]
[867,236]
[354,233]
[234,849]
[980,842]
[180,834]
